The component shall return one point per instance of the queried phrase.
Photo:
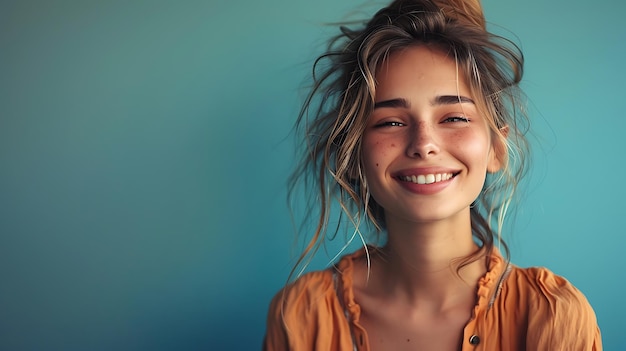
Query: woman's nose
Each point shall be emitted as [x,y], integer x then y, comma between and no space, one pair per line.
[422,141]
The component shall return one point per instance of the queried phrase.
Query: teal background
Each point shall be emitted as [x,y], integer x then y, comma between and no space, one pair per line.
[144,150]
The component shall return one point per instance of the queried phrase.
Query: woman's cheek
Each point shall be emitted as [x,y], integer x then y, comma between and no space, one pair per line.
[380,153]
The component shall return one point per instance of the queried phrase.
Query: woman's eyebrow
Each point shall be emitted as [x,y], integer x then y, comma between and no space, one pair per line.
[438,100]
[451,100]
[399,102]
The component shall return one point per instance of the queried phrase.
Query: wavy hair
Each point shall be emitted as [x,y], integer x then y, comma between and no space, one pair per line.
[334,115]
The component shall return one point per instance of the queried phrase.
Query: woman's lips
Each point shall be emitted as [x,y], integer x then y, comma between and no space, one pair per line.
[426,181]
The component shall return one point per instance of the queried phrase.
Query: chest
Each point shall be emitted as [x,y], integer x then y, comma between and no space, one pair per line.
[394,330]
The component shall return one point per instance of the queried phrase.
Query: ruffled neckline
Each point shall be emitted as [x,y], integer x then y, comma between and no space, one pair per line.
[488,285]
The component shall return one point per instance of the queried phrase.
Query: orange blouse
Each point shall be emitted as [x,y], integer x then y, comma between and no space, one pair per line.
[516,309]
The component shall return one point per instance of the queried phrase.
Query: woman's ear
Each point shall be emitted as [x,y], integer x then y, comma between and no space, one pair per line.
[499,153]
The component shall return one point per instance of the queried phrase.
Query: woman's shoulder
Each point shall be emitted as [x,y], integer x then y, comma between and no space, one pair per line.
[557,312]
[539,284]
[306,291]
[316,290]
[309,312]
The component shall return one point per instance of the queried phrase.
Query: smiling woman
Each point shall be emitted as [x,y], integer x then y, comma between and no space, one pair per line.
[419,134]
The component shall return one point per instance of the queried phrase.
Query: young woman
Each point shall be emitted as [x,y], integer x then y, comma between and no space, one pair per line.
[418,132]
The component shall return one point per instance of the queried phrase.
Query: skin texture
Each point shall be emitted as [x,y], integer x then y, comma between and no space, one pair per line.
[424,123]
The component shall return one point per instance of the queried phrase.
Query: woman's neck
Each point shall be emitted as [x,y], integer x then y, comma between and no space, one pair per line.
[420,262]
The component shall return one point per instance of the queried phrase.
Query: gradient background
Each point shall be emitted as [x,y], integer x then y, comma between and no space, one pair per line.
[144,149]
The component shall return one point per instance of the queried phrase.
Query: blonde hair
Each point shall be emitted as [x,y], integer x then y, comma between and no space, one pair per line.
[335,113]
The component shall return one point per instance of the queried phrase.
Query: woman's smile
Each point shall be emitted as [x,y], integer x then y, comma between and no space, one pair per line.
[425,181]
[427,178]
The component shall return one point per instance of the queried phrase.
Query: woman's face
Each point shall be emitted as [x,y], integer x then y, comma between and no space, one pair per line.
[426,149]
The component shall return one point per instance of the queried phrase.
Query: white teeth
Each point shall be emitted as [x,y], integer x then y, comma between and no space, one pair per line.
[427,178]
[430,178]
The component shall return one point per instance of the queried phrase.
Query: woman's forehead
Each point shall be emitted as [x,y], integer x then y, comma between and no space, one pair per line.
[420,69]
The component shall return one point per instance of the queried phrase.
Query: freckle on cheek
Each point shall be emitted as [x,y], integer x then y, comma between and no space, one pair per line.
[377,165]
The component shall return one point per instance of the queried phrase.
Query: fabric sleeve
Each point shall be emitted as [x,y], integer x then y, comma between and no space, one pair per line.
[307,315]
[560,317]
[275,335]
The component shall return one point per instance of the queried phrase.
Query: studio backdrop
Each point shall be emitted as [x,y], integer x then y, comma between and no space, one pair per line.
[145,148]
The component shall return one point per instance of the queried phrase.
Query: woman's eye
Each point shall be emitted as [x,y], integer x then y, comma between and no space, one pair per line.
[456,119]
[389,124]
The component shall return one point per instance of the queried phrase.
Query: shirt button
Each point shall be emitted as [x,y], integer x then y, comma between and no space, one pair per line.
[474,340]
